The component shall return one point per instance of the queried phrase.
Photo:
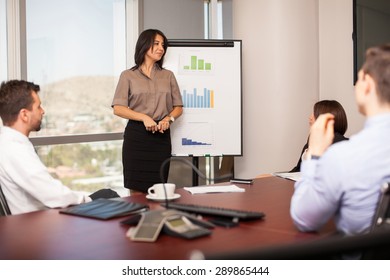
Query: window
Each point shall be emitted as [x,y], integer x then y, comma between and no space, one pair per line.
[219,12]
[86,166]
[75,52]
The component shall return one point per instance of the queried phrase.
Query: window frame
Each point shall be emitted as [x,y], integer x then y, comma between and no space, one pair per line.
[3,40]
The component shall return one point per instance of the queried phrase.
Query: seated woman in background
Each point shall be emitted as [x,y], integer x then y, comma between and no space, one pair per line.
[340,125]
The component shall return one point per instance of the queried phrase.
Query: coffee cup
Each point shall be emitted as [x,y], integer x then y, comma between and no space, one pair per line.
[157,190]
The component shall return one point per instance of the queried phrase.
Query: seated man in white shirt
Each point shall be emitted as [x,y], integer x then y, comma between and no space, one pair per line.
[25,181]
[343,180]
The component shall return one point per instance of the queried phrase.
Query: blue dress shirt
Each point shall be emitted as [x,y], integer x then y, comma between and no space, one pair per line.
[345,182]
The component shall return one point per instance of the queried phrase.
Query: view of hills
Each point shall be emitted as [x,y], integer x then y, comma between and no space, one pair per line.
[79,105]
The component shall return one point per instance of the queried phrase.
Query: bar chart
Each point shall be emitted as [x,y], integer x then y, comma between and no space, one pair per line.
[197,64]
[193,136]
[192,142]
[193,99]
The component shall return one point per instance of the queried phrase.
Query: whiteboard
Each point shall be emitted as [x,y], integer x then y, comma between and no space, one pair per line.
[209,76]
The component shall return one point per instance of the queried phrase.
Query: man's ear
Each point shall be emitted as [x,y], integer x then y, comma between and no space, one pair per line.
[370,84]
[23,115]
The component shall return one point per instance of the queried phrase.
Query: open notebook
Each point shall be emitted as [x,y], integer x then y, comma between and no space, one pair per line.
[104,209]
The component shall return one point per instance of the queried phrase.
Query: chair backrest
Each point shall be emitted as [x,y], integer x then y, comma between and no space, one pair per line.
[4,209]
[382,215]
[381,223]
[332,247]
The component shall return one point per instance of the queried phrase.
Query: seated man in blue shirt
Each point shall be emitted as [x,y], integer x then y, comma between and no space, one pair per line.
[343,181]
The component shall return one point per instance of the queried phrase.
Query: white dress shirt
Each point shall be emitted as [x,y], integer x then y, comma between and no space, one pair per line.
[345,182]
[25,180]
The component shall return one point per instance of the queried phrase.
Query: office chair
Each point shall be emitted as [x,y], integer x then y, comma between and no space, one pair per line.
[4,209]
[381,223]
[382,215]
[329,248]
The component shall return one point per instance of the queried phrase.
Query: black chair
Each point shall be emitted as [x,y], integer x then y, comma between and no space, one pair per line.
[330,248]
[382,216]
[381,223]
[4,209]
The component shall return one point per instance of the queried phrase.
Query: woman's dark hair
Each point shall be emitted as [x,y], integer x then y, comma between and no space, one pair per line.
[144,43]
[335,108]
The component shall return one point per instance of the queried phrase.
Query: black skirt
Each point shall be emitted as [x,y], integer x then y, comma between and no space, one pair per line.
[143,153]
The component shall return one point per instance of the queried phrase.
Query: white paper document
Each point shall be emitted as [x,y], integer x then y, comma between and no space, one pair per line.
[214,189]
[288,175]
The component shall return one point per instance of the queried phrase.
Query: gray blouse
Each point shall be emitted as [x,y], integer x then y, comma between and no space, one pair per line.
[155,96]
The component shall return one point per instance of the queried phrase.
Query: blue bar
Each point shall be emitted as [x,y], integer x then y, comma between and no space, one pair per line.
[189,142]
[185,98]
[185,141]
[208,98]
[195,105]
[205,98]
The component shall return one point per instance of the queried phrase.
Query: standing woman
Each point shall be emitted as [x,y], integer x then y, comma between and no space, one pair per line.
[149,97]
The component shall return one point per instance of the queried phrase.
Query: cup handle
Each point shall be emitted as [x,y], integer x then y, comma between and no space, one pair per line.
[151,191]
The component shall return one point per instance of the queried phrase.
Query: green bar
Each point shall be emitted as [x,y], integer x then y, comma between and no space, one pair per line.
[208,66]
[193,62]
[201,64]
[186,67]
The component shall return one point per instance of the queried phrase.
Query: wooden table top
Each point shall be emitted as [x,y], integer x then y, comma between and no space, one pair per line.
[51,235]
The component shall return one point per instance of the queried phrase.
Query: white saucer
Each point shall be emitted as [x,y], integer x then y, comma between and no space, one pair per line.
[152,197]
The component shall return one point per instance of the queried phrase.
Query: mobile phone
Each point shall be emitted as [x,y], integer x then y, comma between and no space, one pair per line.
[224,222]
[241,181]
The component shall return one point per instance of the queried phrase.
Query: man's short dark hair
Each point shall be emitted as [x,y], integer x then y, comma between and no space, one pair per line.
[15,95]
[377,65]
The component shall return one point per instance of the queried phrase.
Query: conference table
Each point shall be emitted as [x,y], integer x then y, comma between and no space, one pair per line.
[50,235]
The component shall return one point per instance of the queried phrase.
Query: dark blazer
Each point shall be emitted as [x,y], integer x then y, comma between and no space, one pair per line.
[337,138]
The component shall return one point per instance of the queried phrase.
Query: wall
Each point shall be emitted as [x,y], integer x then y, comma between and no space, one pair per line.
[227,19]
[280,80]
[294,54]
[336,57]
[176,18]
